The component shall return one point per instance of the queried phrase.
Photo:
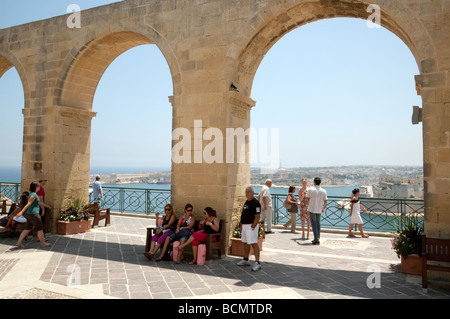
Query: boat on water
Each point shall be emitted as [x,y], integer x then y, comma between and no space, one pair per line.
[343,204]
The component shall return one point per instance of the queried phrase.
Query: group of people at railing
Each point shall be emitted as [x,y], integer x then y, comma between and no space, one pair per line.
[311,202]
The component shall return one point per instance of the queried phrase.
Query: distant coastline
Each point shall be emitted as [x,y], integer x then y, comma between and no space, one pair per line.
[332,176]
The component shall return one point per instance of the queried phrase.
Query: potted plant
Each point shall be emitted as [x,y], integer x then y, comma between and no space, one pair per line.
[237,246]
[76,218]
[408,243]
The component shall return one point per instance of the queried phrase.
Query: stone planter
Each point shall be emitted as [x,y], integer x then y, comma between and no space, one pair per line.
[70,228]
[237,247]
[411,264]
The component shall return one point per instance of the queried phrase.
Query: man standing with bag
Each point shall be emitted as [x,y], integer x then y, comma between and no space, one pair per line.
[317,204]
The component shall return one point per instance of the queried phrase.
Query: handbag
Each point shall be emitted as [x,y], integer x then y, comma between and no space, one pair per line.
[184,232]
[286,204]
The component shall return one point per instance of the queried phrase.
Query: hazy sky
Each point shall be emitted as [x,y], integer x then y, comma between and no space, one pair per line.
[339,93]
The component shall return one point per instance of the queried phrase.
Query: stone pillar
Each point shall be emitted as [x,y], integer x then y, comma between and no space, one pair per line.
[57,146]
[205,172]
[436,143]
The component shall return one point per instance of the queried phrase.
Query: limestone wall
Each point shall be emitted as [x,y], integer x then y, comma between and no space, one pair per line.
[208,45]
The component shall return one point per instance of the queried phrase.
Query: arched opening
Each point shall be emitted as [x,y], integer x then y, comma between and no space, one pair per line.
[134,114]
[280,22]
[121,106]
[349,86]
[11,104]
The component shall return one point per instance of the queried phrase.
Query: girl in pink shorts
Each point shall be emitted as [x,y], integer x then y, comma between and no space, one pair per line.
[162,232]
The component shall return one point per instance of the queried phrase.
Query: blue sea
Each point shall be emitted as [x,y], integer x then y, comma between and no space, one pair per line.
[344,191]
[10,174]
[13,175]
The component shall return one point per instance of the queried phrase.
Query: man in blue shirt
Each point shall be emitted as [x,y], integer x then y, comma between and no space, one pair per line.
[97,190]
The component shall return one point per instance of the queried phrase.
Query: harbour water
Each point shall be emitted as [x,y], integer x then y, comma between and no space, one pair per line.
[341,191]
[383,213]
[335,215]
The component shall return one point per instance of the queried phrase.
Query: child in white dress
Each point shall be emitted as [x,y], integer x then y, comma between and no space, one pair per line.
[355,215]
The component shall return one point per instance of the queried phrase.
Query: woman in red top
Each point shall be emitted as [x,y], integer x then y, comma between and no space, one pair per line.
[211,225]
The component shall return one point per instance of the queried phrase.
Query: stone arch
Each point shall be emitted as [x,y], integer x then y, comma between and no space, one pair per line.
[277,22]
[87,62]
[8,61]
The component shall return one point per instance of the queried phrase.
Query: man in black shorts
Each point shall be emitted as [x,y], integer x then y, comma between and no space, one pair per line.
[250,216]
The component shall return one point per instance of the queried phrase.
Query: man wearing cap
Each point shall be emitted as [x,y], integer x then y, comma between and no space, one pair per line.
[43,207]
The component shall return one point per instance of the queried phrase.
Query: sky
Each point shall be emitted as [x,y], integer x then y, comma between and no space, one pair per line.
[338,92]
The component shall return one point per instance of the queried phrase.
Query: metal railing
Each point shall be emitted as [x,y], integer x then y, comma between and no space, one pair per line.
[134,200]
[382,213]
[11,191]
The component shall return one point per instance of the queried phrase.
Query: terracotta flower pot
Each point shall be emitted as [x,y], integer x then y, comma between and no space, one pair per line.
[70,228]
[411,264]
[237,247]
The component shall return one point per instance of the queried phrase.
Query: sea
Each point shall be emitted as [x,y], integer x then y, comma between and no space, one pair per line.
[13,175]
[339,191]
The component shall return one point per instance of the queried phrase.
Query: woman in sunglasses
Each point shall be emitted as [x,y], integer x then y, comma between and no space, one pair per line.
[162,232]
[182,232]
[210,225]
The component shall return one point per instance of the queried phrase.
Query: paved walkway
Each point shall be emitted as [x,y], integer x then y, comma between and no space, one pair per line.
[108,262]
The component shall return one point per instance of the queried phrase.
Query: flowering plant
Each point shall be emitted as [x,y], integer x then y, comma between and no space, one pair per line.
[408,239]
[76,210]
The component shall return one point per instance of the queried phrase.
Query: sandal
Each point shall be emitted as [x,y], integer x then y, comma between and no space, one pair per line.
[148,255]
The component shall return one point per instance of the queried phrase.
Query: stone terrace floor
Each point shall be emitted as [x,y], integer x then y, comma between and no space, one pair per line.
[109,263]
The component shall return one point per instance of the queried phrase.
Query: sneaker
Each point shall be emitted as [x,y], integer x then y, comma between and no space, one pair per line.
[256,266]
[243,262]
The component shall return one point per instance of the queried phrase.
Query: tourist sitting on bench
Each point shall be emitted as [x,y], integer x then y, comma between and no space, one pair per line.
[12,219]
[162,232]
[210,225]
[183,231]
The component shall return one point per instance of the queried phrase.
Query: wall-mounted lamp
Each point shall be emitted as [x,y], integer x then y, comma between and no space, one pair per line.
[417,115]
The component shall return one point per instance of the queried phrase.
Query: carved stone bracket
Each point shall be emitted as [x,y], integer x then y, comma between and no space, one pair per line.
[240,104]
[67,111]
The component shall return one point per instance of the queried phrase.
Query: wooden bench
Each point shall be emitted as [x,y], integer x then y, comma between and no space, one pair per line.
[436,250]
[99,214]
[218,245]
[3,207]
